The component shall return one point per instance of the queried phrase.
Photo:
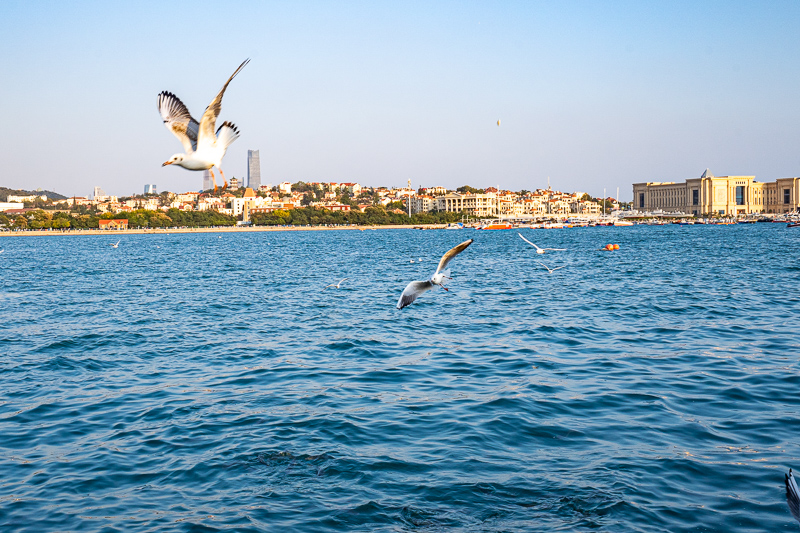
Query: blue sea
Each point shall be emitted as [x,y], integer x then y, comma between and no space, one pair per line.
[210,382]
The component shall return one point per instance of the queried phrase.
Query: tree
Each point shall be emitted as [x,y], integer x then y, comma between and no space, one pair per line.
[20,222]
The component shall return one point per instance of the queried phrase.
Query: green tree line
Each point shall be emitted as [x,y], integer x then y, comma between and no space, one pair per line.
[373,216]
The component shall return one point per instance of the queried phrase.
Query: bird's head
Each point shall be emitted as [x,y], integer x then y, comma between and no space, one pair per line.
[437,278]
[175,159]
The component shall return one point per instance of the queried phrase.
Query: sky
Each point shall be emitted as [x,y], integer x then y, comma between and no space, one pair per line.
[591,95]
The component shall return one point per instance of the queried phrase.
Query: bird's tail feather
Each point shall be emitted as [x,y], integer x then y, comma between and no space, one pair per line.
[227,133]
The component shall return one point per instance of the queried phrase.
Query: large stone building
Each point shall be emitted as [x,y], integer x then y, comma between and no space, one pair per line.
[719,195]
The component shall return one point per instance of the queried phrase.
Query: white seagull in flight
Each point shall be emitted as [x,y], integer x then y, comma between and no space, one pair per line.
[204,147]
[116,245]
[414,289]
[551,270]
[792,495]
[541,250]
[337,285]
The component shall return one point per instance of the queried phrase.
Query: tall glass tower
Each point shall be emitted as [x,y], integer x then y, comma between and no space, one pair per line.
[208,183]
[253,170]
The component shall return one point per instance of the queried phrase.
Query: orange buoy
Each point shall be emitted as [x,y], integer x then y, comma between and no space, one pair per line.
[609,247]
[616,246]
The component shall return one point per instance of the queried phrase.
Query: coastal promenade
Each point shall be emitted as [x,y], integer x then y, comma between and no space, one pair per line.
[219,229]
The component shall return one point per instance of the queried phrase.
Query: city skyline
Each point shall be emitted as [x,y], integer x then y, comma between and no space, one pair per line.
[591,96]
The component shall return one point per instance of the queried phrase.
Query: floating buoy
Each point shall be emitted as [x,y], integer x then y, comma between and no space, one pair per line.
[616,246]
[609,247]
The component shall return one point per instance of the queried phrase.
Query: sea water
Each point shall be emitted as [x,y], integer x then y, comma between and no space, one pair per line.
[210,382]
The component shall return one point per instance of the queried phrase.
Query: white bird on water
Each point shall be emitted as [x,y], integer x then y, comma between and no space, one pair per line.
[541,250]
[551,270]
[204,147]
[414,289]
[115,245]
[792,495]
[337,285]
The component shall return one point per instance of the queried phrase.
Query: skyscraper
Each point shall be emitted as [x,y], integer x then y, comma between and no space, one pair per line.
[98,192]
[150,189]
[207,182]
[253,170]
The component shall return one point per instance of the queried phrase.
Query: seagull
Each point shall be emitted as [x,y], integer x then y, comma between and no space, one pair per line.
[551,270]
[115,245]
[414,289]
[792,495]
[335,285]
[541,250]
[204,148]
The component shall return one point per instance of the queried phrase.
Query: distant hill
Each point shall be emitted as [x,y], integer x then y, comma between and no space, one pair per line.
[4,192]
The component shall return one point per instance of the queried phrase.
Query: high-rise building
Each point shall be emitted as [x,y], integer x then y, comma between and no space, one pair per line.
[150,189]
[98,192]
[208,183]
[253,170]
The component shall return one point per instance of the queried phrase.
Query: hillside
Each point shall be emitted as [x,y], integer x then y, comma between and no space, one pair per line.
[4,192]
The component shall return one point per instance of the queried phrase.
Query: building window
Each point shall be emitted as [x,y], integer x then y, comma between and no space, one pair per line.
[695,197]
[740,195]
[641,200]
[786,195]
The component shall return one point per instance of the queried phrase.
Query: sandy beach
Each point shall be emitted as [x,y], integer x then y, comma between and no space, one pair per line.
[221,229]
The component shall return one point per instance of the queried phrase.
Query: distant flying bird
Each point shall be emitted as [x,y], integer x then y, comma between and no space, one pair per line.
[551,270]
[115,245]
[541,250]
[204,148]
[498,121]
[792,495]
[337,285]
[414,289]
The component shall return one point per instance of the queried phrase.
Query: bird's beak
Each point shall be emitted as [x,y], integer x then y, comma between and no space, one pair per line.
[167,163]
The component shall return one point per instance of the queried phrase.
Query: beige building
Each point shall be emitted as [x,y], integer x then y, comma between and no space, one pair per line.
[478,205]
[719,195]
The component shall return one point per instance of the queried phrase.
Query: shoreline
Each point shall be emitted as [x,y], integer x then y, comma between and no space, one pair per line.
[221,229]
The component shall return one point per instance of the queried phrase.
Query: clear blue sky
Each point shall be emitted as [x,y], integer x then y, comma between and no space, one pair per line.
[590,94]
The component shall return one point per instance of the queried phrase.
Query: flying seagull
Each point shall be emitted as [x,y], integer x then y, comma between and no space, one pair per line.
[204,147]
[792,495]
[551,270]
[115,245]
[414,289]
[337,285]
[541,250]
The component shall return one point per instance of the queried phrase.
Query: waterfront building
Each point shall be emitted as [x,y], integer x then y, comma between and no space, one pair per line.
[5,206]
[253,169]
[422,203]
[285,187]
[29,198]
[477,205]
[150,189]
[120,223]
[719,195]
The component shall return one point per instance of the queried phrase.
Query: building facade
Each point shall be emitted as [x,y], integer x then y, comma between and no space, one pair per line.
[208,183]
[253,169]
[719,195]
[150,189]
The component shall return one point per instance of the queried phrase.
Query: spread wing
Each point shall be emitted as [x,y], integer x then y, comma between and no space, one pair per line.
[792,495]
[529,242]
[178,120]
[446,258]
[209,119]
[413,291]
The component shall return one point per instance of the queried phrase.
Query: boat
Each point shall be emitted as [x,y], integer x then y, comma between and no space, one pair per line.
[793,225]
[457,225]
[496,224]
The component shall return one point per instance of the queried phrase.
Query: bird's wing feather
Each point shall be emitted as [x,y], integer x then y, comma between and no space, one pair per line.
[556,249]
[208,122]
[526,240]
[792,495]
[446,258]
[412,291]
[178,120]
